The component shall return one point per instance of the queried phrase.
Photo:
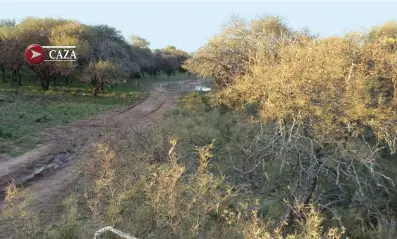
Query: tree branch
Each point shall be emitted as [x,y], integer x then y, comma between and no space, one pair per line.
[115,231]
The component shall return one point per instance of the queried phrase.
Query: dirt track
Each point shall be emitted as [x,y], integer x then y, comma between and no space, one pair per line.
[49,172]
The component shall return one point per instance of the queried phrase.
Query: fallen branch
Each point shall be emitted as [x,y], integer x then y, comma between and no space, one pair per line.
[115,231]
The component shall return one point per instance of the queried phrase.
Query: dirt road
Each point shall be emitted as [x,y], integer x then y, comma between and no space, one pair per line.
[49,172]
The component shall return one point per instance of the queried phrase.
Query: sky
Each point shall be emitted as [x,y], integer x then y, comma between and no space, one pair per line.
[189,25]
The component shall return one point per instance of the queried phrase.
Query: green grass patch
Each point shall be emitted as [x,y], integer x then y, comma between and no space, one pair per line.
[27,110]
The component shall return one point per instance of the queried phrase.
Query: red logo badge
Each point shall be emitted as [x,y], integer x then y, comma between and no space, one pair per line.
[34,54]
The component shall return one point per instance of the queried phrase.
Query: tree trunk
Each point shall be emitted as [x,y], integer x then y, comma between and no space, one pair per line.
[19,78]
[13,76]
[3,71]
[97,89]
[44,82]
[66,80]
[54,81]
[47,84]
[303,193]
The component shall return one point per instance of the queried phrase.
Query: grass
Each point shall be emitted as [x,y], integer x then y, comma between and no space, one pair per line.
[27,110]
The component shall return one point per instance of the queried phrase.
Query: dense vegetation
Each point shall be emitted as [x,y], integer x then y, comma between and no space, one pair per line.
[100,50]
[299,141]
[327,114]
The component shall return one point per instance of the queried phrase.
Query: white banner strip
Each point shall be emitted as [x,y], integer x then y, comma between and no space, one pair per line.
[59,46]
[60,60]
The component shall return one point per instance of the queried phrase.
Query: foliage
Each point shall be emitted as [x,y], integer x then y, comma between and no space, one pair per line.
[324,117]
[101,73]
[229,54]
[7,22]
[45,32]
[139,42]
[387,31]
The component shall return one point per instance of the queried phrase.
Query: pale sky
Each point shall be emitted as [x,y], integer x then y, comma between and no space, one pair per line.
[188,25]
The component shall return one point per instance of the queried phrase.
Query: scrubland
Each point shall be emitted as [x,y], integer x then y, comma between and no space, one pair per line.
[297,140]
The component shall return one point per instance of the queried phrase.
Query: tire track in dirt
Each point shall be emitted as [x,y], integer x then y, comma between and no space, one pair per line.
[63,142]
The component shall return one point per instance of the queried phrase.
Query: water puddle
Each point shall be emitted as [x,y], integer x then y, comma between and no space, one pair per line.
[22,178]
[202,88]
[59,160]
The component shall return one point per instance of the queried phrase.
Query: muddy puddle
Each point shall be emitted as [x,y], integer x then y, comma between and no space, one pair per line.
[202,88]
[54,162]
[182,87]
[59,160]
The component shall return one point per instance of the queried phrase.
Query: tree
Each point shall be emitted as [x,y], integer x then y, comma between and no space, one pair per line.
[102,73]
[181,57]
[4,41]
[140,42]
[45,31]
[144,54]
[7,45]
[7,22]
[71,34]
[109,45]
[106,42]
[227,55]
[169,64]
[387,31]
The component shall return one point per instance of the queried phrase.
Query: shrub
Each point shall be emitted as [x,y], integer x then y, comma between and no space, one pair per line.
[102,73]
[148,193]
[16,216]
